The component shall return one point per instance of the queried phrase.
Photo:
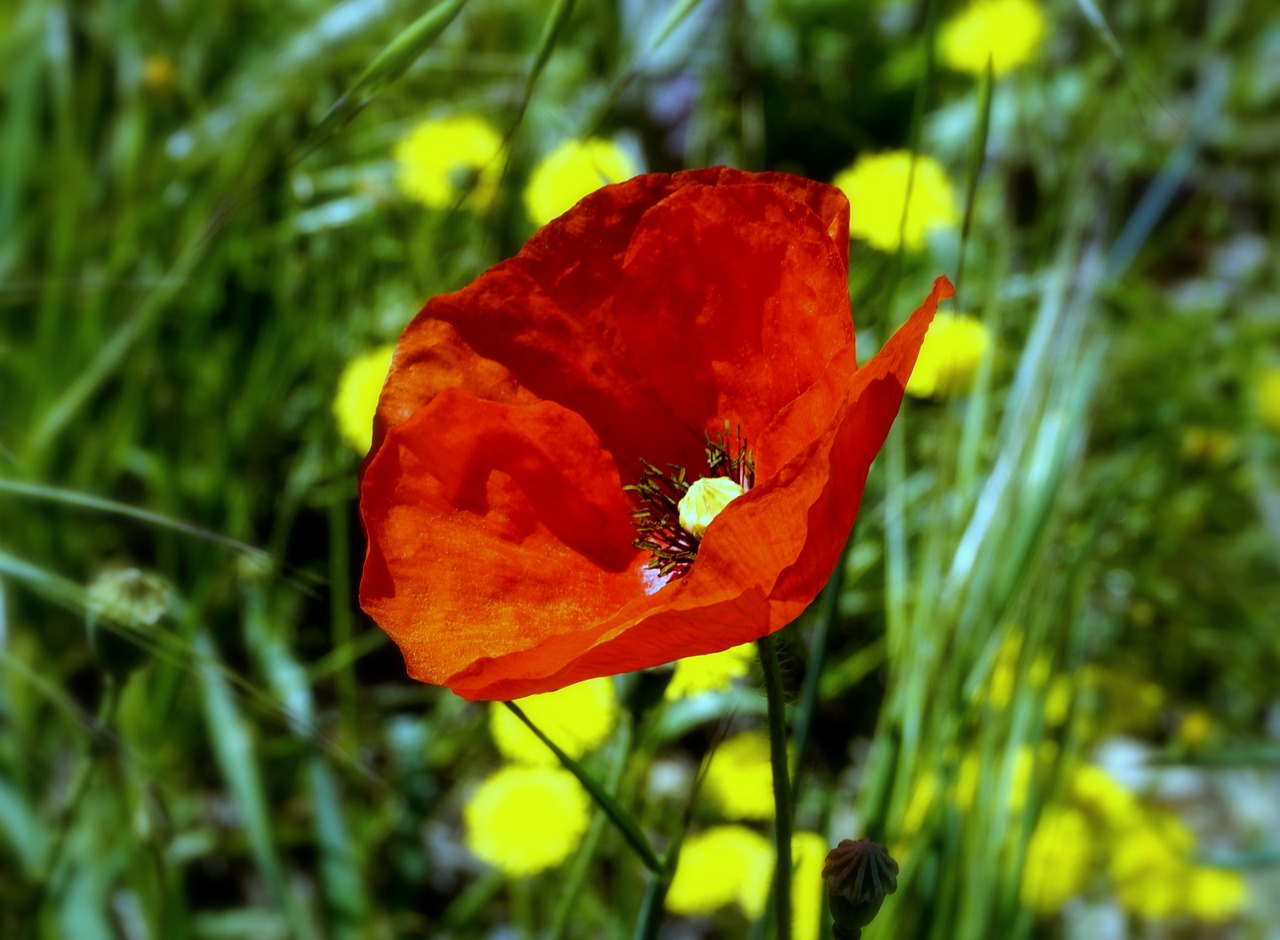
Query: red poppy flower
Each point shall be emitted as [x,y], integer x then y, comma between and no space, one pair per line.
[528,418]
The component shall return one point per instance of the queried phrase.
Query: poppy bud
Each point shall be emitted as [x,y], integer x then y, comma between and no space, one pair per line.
[858,876]
[704,501]
[132,602]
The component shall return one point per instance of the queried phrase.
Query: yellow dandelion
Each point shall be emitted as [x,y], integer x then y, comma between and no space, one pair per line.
[1216,895]
[1207,445]
[1195,728]
[158,72]
[877,189]
[1057,700]
[1008,31]
[579,718]
[711,673]
[950,355]
[718,867]
[441,157]
[356,400]
[571,171]
[1269,398]
[523,820]
[808,853]
[1105,798]
[739,780]
[1149,868]
[1058,860]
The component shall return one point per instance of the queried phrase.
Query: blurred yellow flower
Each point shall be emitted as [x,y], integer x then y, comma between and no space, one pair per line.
[1007,31]
[440,157]
[1101,795]
[877,189]
[1058,860]
[523,820]
[1216,895]
[1269,398]
[1149,868]
[1206,445]
[716,867]
[579,718]
[357,397]
[158,72]
[1195,728]
[571,171]
[713,672]
[808,853]
[733,864]
[948,363]
[739,779]
[1057,700]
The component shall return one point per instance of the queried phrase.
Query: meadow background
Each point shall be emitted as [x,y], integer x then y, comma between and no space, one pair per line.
[1045,674]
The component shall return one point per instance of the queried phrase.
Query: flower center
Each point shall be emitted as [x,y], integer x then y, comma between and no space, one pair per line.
[674,513]
[703,501]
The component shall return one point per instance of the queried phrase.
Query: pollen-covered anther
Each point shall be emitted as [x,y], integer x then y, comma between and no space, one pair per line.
[704,501]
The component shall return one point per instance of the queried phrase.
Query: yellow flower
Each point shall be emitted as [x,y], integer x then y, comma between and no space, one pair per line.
[1269,398]
[571,171]
[1098,793]
[1206,445]
[1149,868]
[734,864]
[739,779]
[158,72]
[877,189]
[1057,863]
[578,718]
[1195,728]
[715,671]
[523,820]
[1057,701]
[1216,894]
[808,853]
[1007,31]
[716,867]
[440,157]
[357,397]
[949,358]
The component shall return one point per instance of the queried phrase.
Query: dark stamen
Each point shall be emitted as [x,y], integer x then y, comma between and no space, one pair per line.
[658,531]
[735,460]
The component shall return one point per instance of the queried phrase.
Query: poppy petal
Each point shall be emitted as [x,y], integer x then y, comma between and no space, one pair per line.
[491,528]
[542,325]
[732,301]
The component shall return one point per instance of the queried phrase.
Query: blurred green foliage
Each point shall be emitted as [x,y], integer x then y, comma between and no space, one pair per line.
[194,241]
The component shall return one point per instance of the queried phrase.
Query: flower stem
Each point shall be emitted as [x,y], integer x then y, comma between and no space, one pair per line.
[79,786]
[781,784]
[617,815]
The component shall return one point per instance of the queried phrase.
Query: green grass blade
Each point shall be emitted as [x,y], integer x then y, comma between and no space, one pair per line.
[626,825]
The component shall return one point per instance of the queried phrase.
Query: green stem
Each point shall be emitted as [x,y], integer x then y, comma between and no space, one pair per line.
[582,865]
[781,784]
[79,787]
[617,815]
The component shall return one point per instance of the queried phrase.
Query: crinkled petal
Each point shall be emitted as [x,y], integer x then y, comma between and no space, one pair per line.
[491,528]
[544,324]
[732,301]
